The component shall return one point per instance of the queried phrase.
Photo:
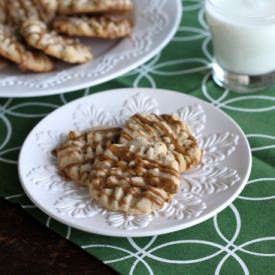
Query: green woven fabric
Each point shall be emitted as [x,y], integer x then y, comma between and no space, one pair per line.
[239,240]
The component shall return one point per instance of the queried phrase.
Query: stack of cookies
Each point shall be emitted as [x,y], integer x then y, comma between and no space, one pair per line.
[135,169]
[33,33]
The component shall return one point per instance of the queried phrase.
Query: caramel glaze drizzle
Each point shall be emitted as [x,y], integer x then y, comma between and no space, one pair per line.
[142,165]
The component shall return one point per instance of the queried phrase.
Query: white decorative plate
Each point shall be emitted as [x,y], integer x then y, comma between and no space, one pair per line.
[204,192]
[156,22]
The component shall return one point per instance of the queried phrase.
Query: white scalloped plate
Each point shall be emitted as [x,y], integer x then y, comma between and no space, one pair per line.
[156,22]
[204,192]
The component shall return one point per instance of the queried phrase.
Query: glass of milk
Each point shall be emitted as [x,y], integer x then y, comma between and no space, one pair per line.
[243,33]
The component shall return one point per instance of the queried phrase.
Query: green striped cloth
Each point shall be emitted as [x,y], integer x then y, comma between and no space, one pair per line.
[239,240]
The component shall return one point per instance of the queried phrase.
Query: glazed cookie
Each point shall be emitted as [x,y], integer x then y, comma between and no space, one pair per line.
[21,10]
[136,178]
[15,51]
[48,8]
[37,35]
[107,27]
[169,129]
[76,156]
[94,6]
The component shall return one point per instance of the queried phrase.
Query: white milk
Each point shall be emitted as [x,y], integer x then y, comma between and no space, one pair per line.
[243,34]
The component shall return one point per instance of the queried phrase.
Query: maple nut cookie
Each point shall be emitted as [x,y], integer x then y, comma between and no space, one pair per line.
[77,154]
[12,48]
[166,128]
[48,8]
[94,6]
[20,10]
[107,27]
[38,36]
[135,178]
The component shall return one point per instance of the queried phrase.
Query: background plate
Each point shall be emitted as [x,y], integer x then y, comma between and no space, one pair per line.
[156,22]
[205,191]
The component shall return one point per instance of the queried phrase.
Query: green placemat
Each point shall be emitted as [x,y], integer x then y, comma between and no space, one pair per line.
[241,239]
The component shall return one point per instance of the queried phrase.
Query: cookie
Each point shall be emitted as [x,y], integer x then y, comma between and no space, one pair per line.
[47,8]
[14,50]
[136,178]
[94,6]
[21,10]
[166,128]
[37,35]
[107,27]
[76,156]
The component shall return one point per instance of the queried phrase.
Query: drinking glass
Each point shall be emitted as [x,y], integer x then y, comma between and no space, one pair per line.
[243,33]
